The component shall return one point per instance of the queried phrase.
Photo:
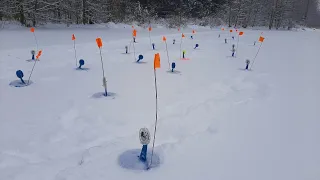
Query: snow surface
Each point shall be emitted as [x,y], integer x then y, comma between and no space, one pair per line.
[216,121]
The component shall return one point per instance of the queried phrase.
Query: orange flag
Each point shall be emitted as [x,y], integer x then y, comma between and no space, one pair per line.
[193,31]
[73,37]
[164,38]
[231,30]
[183,35]
[39,54]
[32,30]
[241,33]
[236,30]
[134,33]
[156,61]
[261,39]
[99,42]
[150,28]
[222,29]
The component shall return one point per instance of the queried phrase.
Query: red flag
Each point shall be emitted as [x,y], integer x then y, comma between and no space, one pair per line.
[150,28]
[231,30]
[99,42]
[134,33]
[241,33]
[183,35]
[193,31]
[164,38]
[73,37]
[261,39]
[32,30]
[156,61]
[39,54]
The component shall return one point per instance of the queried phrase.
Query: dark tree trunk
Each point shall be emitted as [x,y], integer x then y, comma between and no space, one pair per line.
[84,15]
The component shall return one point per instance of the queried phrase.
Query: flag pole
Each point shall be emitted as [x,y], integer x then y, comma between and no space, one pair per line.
[103,75]
[167,54]
[180,45]
[237,45]
[150,38]
[134,51]
[35,37]
[155,126]
[34,64]
[75,52]
[256,56]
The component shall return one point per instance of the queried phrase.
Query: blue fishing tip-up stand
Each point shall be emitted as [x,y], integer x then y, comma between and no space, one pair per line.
[191,37]
[143,154]
[197,45]
[19,74]
[33,52]
[173,66]
[81,63]
[140,58]
[153,46]
[225,41]
[247,64]
[144,136]
[174,41]
[183,54]
[126,49]
[233,50]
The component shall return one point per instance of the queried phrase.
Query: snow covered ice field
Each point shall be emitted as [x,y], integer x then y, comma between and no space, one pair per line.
[216,121]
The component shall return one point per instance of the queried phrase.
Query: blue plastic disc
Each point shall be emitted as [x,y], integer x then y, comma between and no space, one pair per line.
[81,62]
[19,74]
[173,65]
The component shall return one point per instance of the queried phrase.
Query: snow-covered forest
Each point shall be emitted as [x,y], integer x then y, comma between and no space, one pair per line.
[245,13]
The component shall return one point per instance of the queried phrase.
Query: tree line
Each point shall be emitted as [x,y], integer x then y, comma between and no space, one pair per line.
[234,13]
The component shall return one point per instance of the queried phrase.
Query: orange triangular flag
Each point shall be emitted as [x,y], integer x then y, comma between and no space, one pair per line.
[193,31]
[156,61]
[241,33]
[164,38]
[261,39]
[39,54]
[134,33]
[73,37]
[183,35]
[99,42]
[32,30]
[150,28]
[231,30]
